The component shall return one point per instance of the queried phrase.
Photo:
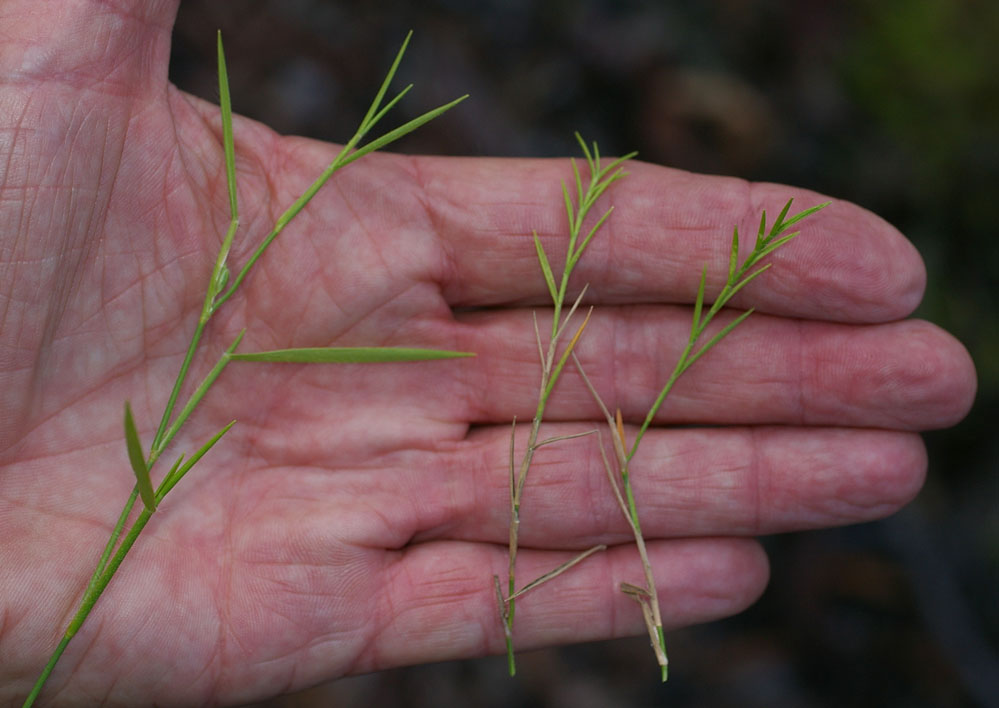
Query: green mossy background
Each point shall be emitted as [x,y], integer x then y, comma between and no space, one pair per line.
[893,104]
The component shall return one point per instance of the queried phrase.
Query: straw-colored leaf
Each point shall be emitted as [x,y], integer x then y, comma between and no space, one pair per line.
[558,571]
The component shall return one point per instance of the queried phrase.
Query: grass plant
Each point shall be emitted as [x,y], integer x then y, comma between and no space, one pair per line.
[738,277]
[218,291]
[553,359]
[618,466]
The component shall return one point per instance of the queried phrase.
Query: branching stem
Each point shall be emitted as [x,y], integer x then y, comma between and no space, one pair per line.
[738,277]
[552,363]
[218,291]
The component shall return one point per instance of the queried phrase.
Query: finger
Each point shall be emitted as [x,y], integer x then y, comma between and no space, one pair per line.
[847,265]
[438,601]
[114,49]
[688,482]
[907,375]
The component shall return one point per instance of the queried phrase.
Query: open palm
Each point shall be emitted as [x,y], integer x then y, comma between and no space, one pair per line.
[354,517]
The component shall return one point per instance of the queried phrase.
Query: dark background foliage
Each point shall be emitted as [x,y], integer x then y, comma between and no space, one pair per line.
[893,104]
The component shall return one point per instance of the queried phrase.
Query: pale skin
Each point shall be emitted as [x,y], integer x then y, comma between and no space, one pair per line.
[354,517]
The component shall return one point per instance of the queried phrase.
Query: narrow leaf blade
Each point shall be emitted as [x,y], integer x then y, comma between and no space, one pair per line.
[377,102]
[779,223]
[596,227]
[399,132]
[699,303]
[178,471]
[348,355]
[725,331]
[225,103]
[565,355]
[552,574]
[388,106]
[579,183]
[570,213]
[586,149]
[733,259]
[785,225]
[138,461]
[546,267]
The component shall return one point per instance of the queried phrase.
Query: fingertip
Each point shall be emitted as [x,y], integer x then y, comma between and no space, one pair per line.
[886,272]
[752,566]
[848,264]
[901,474]
[721,577]
[938,379]
[954,365]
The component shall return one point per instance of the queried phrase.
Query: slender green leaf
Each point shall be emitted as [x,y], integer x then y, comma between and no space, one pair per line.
[545,267]
[761,233]
[348,355]
[225,103]
[579,182]
[725,331]
[773,246]
[586,151]
[620,161]
[138,461]
[779,221]
[373,109]
[586,241]
[699,302]
[746,280]
[399,132]
[388,106]
[178,470]
[568,208]
[733,259]
[785,225]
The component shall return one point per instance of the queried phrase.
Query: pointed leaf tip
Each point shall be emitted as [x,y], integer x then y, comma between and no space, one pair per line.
[348,355]
[137,459]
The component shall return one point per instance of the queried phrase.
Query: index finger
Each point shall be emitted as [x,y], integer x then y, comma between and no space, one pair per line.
[847,265]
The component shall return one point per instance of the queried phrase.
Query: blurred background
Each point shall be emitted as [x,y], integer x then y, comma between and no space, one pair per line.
[893,104]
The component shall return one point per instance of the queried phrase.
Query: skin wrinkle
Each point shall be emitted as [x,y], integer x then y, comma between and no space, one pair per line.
[754,473]
[445,267]
[343,486]
[672,483]
[97,72]
[62,291]
[352,320]
[225,589]
[372,654]
[119,373]
[802,417]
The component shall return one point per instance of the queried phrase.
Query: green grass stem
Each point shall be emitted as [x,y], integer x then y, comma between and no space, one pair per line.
[217,292]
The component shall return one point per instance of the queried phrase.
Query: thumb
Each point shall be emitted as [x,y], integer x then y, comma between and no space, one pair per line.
[116,46]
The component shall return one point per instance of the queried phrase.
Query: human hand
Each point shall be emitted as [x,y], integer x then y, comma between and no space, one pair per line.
[355,516]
